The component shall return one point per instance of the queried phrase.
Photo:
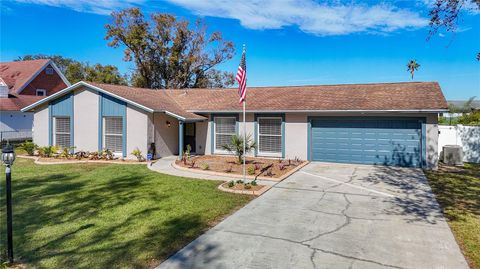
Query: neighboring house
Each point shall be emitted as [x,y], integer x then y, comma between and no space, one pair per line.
[23,83]
[387,123]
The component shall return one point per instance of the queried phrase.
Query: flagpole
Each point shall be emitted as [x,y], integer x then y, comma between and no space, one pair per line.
[244,142]
[244,132]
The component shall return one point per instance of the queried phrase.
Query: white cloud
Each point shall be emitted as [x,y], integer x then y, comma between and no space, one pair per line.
[327,18]
[102,7]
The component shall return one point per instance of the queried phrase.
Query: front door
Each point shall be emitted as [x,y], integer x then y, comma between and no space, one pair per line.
[189,136]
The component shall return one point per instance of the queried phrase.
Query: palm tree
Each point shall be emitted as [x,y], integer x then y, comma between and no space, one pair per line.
[412,66]
[236,146]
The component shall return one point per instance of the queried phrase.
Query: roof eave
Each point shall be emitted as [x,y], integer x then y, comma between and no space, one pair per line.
[79,84]
[439,110]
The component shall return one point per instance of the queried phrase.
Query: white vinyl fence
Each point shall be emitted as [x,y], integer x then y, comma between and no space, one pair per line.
[466,136]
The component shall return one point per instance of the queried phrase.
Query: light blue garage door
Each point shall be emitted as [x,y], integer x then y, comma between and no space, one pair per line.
[367,141]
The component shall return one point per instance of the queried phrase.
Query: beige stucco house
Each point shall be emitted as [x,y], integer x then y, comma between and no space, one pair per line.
[385,123]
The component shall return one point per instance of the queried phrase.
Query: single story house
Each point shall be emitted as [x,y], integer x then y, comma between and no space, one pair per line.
[383,123]
[23,83]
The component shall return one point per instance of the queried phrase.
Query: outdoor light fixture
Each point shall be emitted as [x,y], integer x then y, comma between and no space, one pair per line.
[168,124]
[8,157]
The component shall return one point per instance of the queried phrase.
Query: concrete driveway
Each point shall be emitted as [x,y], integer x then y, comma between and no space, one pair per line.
[332,216]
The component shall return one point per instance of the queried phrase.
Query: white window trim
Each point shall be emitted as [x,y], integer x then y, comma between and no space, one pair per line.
[220,151]
[269,154]
[41,90]
[55,128]
[115,153]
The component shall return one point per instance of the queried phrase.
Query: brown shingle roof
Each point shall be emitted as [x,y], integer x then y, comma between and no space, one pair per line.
[381,96]
[17,74]
[156,100]
[17,102]
[416,96]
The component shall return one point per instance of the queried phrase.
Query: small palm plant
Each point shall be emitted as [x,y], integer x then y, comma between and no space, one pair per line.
[236,146]
[412,66]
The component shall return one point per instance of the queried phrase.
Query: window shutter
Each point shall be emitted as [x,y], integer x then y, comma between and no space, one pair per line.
[225,128]
[270,135]
[62,132]
[114,134]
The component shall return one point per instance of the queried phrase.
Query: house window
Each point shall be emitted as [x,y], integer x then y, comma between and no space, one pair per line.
[62,132]
[270,136]
[49,71]
[225,128]
[41,92]
[113,134]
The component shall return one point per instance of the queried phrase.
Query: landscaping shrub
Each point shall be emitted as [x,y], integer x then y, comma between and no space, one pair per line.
[247,186]
[236,146]
[239,181]
[281,166]
[205,166]
[29,147]
[231,184]
[47,151]
[138,154]
[66,152]
[251,170]
[254,183]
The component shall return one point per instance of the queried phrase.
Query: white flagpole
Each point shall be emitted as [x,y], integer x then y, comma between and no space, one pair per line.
[244,129]
[244,142]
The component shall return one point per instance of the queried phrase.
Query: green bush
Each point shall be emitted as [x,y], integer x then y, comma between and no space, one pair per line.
[254,183]
[251,170]
[47,151]
[231,184]
[29,147]
[138,154]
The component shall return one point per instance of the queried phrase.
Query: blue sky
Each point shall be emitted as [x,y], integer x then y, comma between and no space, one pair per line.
[289,42]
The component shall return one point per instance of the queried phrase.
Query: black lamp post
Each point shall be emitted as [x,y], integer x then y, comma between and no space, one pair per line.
[8,157]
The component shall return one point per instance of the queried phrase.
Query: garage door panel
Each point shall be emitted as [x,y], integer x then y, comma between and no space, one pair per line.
[371,141]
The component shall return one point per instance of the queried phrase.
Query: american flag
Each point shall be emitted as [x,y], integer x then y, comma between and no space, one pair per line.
[242,78]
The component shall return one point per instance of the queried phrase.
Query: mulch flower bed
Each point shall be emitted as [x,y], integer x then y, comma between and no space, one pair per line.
[273,168]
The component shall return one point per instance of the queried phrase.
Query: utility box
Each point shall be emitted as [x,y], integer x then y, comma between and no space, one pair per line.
[453,155]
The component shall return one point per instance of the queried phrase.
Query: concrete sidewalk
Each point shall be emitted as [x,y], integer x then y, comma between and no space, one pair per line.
[164,166]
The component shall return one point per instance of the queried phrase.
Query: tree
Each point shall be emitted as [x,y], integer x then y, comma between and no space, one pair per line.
[464,108]
[236,146]
[167,52]
[76,71]
[412,66]
[445,14]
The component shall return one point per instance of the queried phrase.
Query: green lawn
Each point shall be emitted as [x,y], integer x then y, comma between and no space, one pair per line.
[458,192]
[107,216]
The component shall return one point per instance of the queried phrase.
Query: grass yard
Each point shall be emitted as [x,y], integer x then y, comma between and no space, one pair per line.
[107,216]
[458,192]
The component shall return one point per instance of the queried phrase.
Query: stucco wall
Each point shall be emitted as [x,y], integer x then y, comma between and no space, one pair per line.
[201,134]
[85,120]
[40,126]
[296,132]
[137,131]
[166,138]
[432,141]
[249,125]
